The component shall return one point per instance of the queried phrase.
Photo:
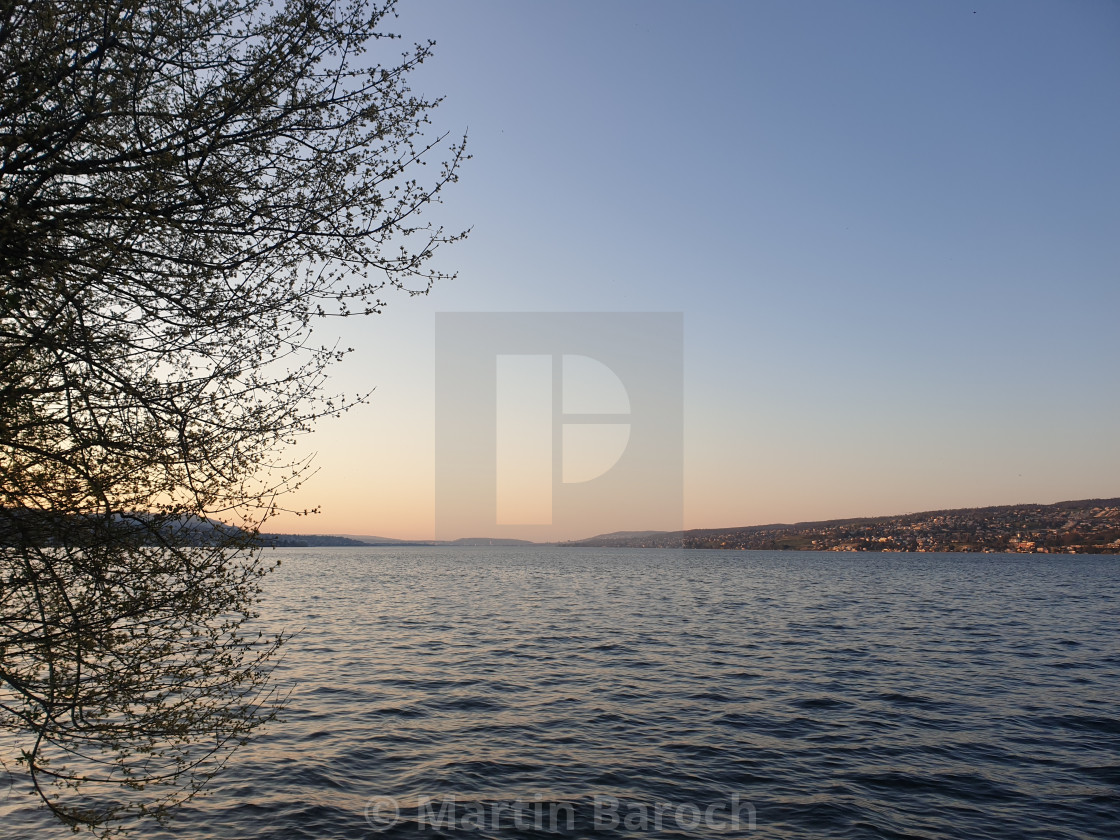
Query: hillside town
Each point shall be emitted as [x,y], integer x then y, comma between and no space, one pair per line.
[1082,527]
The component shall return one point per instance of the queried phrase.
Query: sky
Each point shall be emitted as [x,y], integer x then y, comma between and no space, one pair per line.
[892,231]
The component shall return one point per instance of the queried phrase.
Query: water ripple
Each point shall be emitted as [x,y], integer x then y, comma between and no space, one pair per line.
[920,697]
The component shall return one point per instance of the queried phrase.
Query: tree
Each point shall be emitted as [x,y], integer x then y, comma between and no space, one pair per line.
[184,188]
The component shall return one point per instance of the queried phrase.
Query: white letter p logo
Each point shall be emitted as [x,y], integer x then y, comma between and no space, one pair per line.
[559,414]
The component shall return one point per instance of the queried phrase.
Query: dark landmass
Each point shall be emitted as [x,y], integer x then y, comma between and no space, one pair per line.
[1090,526]
[306,540]
[32,527]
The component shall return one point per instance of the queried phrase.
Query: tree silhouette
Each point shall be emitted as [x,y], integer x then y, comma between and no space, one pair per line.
[184,188]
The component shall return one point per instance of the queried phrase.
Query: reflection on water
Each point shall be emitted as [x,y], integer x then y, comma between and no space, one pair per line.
[918,696]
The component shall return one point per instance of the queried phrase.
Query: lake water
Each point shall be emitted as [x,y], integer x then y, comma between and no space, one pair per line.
[548,692]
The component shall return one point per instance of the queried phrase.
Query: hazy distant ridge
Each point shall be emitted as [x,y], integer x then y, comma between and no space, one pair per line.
[325,540]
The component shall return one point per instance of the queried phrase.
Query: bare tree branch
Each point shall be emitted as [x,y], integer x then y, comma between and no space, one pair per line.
[184,188]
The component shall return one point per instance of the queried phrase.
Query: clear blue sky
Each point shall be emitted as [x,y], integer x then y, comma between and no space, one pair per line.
[893,229]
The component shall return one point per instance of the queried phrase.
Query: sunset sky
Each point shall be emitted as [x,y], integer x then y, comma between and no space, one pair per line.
[892,229]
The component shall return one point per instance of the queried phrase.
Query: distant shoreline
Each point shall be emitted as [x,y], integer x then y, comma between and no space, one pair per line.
[1088,526]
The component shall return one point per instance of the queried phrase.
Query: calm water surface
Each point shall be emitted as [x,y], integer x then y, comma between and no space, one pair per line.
[633,693]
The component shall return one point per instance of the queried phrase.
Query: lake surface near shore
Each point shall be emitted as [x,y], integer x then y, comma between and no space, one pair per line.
[550,692]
